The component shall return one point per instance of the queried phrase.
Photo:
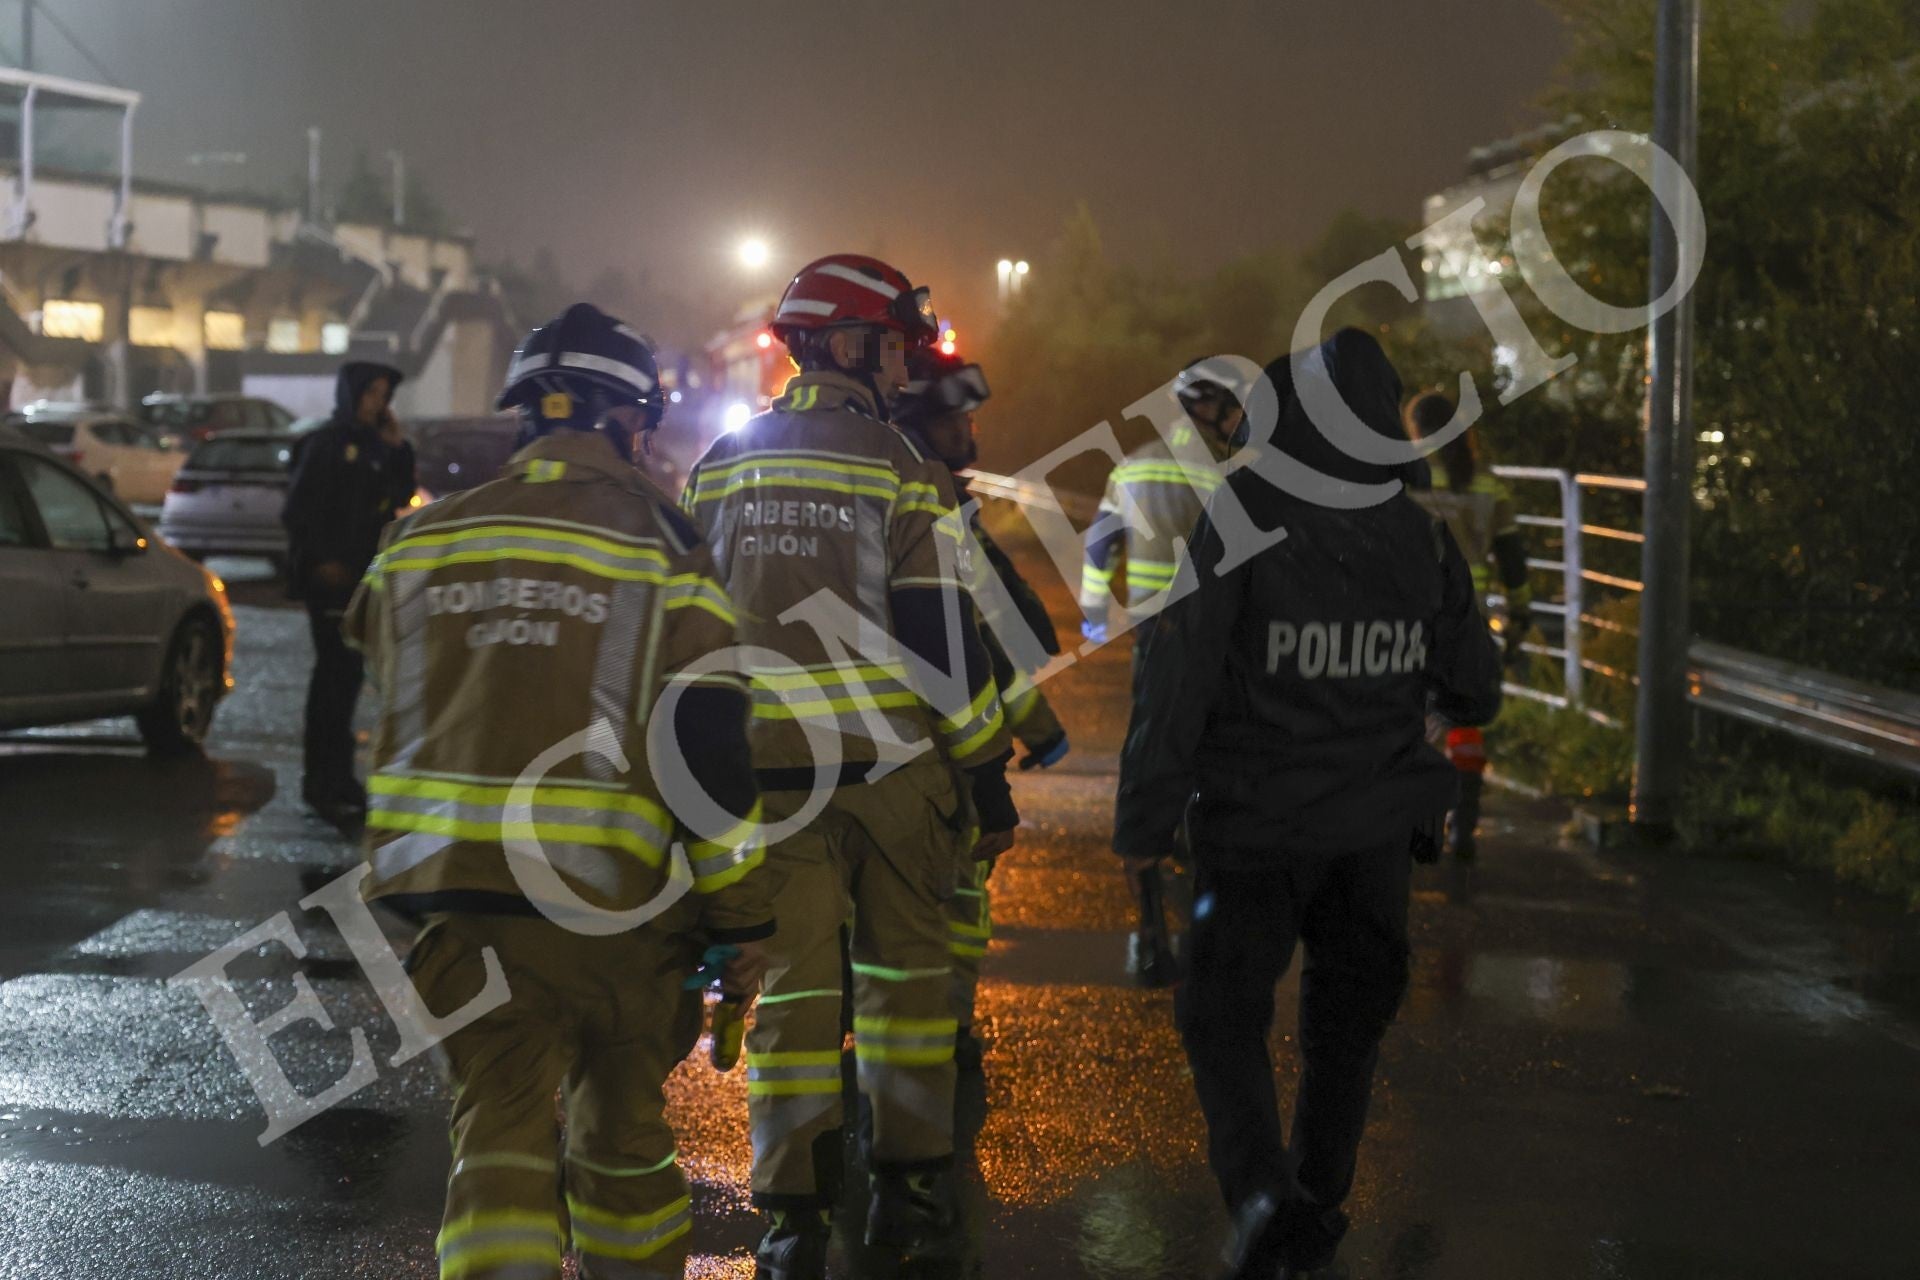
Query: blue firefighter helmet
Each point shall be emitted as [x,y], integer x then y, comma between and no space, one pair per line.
[573,370]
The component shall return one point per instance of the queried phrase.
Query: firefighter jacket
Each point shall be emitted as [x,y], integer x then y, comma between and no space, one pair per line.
[546,736]
[1483,522]
[1160,498]
[1017,631]
[844,547]
[1286,698]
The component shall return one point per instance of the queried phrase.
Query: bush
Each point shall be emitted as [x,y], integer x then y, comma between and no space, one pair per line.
[1799,815]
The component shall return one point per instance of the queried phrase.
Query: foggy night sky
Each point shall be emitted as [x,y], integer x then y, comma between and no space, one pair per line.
[651,136]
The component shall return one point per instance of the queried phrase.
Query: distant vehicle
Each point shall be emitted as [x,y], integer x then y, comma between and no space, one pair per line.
[101,619]
[452,455]
[226,500]
[203,417]
[129,459]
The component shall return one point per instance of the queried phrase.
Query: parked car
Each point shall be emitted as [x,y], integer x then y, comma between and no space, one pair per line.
[134,461]
[227,498]
[101,618]
[203,417]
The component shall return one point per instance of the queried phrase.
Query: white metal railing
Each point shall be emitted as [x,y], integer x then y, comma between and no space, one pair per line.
[1843,715]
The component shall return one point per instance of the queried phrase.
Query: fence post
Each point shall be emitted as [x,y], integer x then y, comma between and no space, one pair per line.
[1572,519]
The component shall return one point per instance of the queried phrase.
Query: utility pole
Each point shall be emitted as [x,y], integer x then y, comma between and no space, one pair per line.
[1661,722]
[26,34]
[399,188]
[313,174]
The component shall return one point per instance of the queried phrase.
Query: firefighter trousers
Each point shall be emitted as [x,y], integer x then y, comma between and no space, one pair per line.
[969,930]
[875,867]
[603,1021]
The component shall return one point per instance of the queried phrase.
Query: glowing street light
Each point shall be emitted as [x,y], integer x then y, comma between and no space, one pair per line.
[754,253]
[1012,275]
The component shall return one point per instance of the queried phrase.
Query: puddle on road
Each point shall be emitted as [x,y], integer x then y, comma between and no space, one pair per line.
[1588,994]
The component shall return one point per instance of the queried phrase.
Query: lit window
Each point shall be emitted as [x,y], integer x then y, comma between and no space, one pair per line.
[283,335]
[226,331]
[63,318]
[150,326]
[333,338]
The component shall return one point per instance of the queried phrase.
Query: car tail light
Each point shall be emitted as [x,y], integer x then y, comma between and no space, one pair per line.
[185,486]
[69,452]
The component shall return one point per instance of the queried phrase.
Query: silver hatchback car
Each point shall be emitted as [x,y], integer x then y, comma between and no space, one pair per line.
[101,619]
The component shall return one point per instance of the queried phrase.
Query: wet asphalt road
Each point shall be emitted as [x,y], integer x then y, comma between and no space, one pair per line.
[1608,1065]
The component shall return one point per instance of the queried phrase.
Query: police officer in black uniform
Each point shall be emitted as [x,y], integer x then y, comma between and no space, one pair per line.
[350,477]
[1283,713]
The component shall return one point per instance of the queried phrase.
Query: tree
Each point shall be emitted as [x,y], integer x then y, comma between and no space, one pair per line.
[1807,535]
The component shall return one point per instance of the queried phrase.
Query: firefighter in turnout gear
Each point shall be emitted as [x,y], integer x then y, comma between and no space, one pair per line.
[1168,496]
[936,411]
[1478,510]
[876,729]
[1282,715]
[566,800]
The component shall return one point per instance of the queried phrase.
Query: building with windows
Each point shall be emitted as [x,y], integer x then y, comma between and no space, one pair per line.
[114,287]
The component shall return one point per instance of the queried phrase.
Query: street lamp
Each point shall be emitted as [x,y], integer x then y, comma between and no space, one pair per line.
[1011,275]
[754,253]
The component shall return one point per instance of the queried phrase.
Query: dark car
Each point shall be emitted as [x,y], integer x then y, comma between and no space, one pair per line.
[203,417]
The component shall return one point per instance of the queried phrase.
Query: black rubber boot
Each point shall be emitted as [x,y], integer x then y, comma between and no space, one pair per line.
[1151,961]
[795,1246]
[910,1216]
[1463,825]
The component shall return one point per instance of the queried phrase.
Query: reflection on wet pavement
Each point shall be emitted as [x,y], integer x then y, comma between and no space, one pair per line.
[1607,1066]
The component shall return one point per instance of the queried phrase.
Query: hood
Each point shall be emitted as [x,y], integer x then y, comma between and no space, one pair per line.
[1351,367]
[354,377]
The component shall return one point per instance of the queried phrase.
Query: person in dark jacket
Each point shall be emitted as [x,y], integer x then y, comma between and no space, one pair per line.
[350,477]
[1282,712]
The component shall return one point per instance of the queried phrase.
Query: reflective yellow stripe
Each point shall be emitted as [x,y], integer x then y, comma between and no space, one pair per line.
[796,1058]
[1166,473]
[624,1222]
[502,832]
[743,483]
[694,591]
[632,1237]
[967,746]
[790,1088]
[905,1042]
[543,470]
[620,1171]
[827,677]
[538,533]
[977,708]
[482,1241]
[593,800]
[833,706]
[905,1026]
[836,465]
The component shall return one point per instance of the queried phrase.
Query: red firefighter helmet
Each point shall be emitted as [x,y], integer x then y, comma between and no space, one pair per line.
[845,289]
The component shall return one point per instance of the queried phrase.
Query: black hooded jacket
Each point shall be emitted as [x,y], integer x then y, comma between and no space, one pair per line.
[347,484]
[1286,699]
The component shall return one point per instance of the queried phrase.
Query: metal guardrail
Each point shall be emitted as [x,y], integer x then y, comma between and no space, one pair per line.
[1862,720]
[1846,716]
[1078,506]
